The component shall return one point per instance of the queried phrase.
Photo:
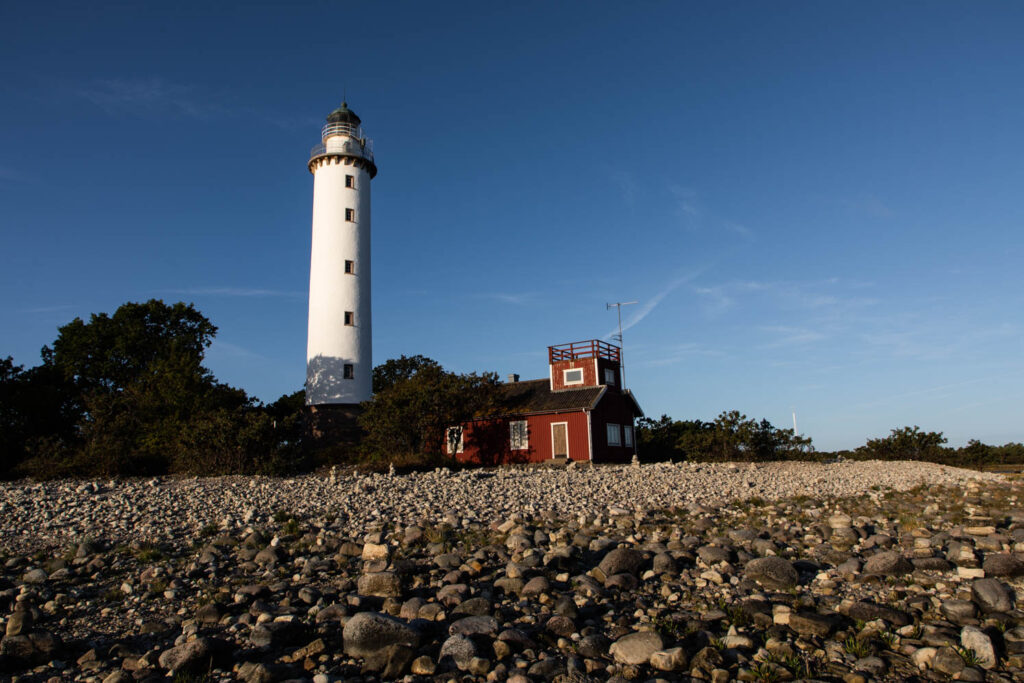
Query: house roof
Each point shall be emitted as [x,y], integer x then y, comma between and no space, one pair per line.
[535,396]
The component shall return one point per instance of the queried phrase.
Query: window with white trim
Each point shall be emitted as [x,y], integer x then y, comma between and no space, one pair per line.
[350,267]
[609,376]
[519,438]
[627,436]
[614,435]
[350,215]
[350,318]
[454,438]
[350,181]
[572,376]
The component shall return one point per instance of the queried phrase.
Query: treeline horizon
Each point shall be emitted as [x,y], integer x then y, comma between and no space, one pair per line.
[126,394]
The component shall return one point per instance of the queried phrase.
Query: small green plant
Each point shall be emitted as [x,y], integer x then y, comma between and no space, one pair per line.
[890,639]
[282,516]
[857,647]
[764,671]
[969,656]
[147,553]
[738,617]
[668,627]
[717,643]
[291,527]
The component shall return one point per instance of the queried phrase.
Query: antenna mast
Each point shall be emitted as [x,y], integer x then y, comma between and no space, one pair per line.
[622,355]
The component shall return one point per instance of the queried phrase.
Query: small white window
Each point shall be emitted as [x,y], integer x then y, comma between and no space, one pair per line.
[454,440]
[519,439]
[627,435]
[350,215]
[350,267]
[574,376]
[614,435]
[350,318]
[350,181]
[609,376]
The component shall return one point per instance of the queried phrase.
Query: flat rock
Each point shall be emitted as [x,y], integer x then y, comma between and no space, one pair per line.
[636,648]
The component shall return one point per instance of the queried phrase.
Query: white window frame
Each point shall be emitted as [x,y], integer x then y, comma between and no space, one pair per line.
[350,267]
[450,441]
[350,215]
[350,181]
[610,429]
[565,376]
[627,436]
[518,435]
[609,376]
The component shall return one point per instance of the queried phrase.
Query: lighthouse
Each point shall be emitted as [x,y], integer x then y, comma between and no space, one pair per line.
[339,343]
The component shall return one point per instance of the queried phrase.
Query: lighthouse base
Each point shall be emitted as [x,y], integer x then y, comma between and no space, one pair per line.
[334,427]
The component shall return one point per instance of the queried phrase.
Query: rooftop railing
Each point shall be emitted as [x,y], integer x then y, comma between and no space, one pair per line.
[591,348]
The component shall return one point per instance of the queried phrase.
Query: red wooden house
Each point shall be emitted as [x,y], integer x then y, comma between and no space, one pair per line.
[580,412]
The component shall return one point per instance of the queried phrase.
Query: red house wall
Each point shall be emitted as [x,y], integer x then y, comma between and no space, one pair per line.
[617,409]
[589,366]
[488,442]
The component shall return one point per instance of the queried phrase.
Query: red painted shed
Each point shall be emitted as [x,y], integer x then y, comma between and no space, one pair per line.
[580,412]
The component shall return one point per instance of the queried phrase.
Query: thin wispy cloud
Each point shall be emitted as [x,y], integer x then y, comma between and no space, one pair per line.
[156,96]
[514,298]
[251,292]
[227,349]
[677,353]
[10,174]
[786,337]
[650,304]
[48,309]
[148,96]
[694,216]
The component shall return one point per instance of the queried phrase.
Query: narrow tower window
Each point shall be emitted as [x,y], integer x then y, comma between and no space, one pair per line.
[349,372]
[350,181]
[350,215]
[350,318]
[350,267]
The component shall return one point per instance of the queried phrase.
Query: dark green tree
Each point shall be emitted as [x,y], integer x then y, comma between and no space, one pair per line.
[406,420]
[907,443]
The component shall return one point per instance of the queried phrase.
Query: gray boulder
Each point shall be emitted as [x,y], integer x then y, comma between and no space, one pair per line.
[774,573]
[621,561]
[992,595]
[193,656]
[888,563]
[367,632]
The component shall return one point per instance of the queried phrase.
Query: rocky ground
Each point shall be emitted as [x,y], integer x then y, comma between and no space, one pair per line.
[844,571]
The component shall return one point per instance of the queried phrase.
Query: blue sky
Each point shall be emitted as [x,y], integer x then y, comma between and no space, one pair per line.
[817,205]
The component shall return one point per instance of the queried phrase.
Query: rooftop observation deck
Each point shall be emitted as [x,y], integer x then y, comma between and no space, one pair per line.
[591,348]
[349,141]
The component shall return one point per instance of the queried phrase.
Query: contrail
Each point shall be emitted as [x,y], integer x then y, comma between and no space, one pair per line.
[650,305]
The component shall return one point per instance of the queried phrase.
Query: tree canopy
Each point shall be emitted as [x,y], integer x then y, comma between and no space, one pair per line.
[415,401]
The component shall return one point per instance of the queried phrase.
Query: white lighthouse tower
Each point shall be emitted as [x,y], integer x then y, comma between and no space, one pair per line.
[338,351]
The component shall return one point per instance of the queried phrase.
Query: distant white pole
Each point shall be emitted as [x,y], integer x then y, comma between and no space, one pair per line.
[622,354]
[795,432]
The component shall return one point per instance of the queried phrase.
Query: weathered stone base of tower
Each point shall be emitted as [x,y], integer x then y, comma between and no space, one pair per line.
[334,425]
